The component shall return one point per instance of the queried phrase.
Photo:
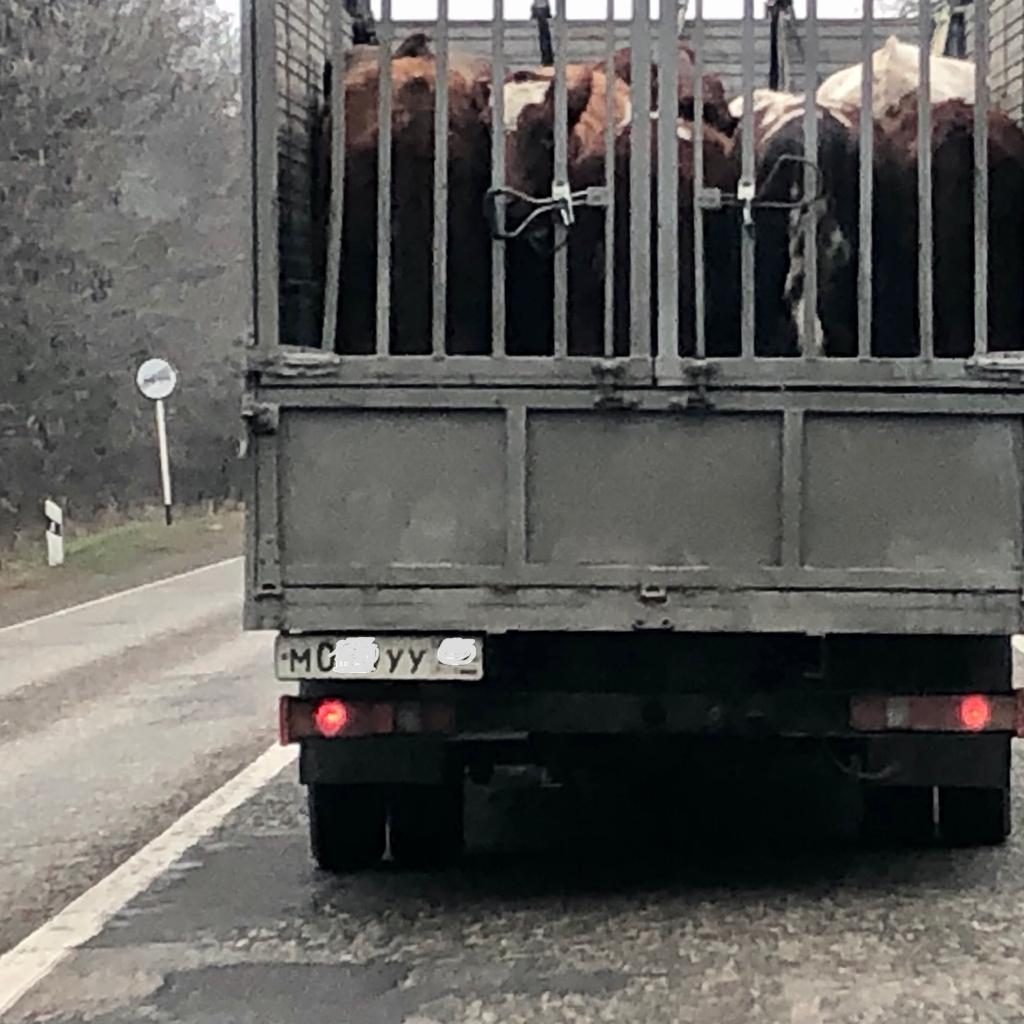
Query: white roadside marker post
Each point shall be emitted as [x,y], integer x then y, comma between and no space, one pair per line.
[54,532]
[156,380]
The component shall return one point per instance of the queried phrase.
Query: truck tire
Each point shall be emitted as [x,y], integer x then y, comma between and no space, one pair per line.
[346,825]
[974,816]
[898,816]
[426,824]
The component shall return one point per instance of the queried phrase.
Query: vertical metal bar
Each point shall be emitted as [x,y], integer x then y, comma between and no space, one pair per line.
[610,128]
[668,185]
[263,99]
[925,223]
[336,214]
[385,31]
[440,293]
[867,138]
[792,486]
[747,252]
[561,174]
[981,111]
[515,484]
[811,343]
[498,175]
[640,183]
[699,289]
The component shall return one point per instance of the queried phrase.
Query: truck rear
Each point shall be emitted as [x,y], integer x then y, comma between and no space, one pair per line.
[620,469]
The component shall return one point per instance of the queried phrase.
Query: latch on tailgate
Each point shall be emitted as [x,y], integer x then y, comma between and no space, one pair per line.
[262,417]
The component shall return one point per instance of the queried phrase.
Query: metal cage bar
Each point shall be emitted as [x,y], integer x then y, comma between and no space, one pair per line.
[699,288]
[560,178]
[926,233]
[385,31]
[440,237]
[640,182]
[336,213]
[498,175]
[867,163]
[812,344]
[981,111]
[609,180]
[260,40]
[747,176]
[668,184]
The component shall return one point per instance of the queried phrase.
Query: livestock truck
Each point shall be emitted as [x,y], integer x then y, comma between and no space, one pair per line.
[520,553]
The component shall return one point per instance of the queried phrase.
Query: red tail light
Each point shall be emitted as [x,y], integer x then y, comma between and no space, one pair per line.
[974,712]
[969,712]
[330,717]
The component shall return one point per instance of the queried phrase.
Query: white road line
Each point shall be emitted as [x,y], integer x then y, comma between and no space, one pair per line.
[24,966]
[120,593]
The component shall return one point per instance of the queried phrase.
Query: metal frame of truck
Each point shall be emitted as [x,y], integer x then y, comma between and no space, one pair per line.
[735,478]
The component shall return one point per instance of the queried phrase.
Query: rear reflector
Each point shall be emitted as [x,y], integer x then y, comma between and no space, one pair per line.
[974,712]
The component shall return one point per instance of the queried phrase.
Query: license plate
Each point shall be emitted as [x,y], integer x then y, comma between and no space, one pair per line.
[407,658]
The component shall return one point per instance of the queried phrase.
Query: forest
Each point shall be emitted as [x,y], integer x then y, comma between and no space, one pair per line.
[122,236]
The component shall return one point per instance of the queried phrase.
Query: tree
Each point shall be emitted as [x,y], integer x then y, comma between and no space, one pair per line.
[122,234]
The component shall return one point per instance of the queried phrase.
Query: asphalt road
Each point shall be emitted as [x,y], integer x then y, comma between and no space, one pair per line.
[115,718]
[557,913]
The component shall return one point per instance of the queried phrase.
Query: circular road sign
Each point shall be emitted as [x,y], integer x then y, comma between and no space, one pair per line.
[156,378]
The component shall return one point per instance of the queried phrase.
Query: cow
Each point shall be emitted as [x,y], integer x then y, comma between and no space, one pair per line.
[413,82]
[530,170]
[894,330]
[778,127]
[895,71]
[953,231]
[716,109]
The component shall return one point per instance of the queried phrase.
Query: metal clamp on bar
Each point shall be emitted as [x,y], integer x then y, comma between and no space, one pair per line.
[710,199]
[561,195]
[745,194]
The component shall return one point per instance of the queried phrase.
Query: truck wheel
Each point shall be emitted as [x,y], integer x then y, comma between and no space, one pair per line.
[426,826]
[346,825]
[898,815]
[974,816]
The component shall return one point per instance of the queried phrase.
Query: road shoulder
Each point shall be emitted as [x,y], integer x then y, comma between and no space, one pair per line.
[108,560]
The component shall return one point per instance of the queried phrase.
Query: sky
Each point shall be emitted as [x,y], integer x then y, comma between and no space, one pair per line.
[413,10]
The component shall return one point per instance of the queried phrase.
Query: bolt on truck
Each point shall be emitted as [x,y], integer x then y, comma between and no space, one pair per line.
[602,403]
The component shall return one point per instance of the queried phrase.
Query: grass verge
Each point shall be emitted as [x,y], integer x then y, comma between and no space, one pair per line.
[106,557]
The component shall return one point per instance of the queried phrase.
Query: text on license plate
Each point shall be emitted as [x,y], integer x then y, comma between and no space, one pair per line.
[324,656]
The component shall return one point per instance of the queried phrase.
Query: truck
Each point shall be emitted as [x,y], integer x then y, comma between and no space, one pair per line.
[481,559]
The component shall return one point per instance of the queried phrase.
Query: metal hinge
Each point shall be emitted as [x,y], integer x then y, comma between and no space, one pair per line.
[700,375]
[1003,366]
[262,417]
[268,566]
[609,380]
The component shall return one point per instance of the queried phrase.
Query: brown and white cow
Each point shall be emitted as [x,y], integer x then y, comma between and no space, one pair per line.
[894,329]
[530,170]
[413,83]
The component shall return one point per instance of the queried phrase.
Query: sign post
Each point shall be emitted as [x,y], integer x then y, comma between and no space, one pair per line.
[156,380]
